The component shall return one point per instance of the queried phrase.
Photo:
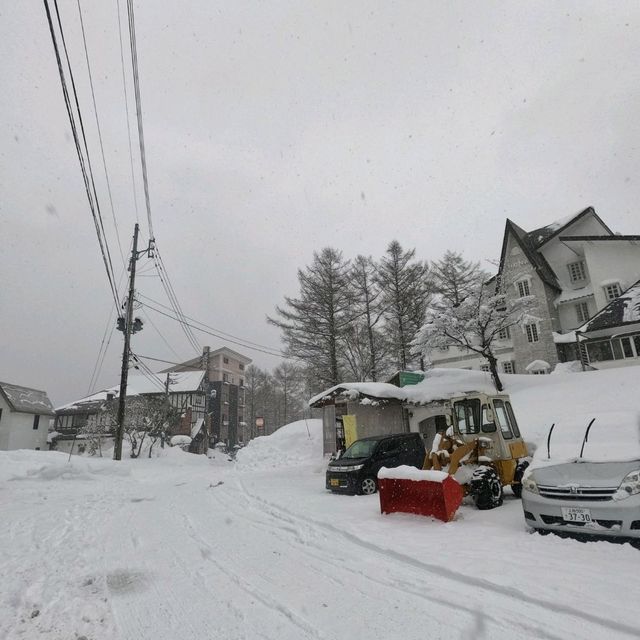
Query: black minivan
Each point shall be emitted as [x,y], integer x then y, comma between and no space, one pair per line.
[356,471]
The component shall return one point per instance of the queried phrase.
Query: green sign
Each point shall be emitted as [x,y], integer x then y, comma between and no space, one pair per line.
[408,378]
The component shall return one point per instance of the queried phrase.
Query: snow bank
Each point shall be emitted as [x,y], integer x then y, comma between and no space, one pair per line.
[539,401]
[54,465]
[613,436]
[573,366]
[405,472]
[294,444]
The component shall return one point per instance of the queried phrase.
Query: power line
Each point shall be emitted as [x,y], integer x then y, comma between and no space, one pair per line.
[126,106]
[146,371]
[136,88]
[100,359]
[95,111]
[160,266]
[173,300]
[224,333]
[277,354]
[85,165]
[146,315]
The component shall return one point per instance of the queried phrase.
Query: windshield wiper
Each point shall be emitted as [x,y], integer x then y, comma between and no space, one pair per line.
[586,436]
[549,441]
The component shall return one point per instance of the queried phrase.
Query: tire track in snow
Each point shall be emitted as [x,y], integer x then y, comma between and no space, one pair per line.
[269,602]
[423,591]
[445,572]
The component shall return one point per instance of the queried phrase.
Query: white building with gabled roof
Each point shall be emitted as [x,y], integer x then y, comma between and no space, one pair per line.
[574,268]
[24,417]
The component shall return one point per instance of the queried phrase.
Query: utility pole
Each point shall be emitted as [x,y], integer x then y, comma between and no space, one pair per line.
[124,374]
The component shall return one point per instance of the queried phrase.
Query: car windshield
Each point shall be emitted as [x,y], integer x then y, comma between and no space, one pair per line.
[360,449]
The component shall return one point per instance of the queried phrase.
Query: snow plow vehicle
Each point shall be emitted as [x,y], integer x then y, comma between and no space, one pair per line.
[481,447]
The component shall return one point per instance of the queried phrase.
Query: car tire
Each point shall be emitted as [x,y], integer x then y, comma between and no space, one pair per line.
[367,486]
[486,488]
[516,486]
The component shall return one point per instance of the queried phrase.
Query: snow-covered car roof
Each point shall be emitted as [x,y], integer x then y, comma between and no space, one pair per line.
[613,437]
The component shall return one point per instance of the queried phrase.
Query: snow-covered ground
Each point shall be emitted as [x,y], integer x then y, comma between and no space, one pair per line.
[182,547]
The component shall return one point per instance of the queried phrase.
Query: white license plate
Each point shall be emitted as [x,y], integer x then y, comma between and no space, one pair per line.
[576,514]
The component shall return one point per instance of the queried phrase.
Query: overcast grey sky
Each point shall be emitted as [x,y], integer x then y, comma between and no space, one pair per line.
[276,128]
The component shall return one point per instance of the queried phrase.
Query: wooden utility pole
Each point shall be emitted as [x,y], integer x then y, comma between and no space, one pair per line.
[124,375]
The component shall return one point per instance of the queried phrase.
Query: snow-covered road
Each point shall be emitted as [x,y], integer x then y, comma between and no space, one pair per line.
[158,549]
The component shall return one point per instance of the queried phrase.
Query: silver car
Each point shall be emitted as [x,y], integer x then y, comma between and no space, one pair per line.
[585,477]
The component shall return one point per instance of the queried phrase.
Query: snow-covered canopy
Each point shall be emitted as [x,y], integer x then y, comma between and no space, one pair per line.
[538,365]
[438,384]
[614,436]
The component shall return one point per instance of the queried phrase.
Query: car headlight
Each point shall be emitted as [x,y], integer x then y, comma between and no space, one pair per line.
[529,484]
[343,469]
[629,486]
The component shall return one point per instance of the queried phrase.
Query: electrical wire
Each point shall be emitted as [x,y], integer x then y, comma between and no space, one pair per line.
[277,354]
[224,333]
[85,165]
[126,106]
[95,111]
[146,371]
[138,100]
[153,324]
[101,354]
[160,266]
[173,300]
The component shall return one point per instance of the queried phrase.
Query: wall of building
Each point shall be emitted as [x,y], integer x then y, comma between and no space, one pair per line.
[517,267]
[17,432]
[568,314]
[559,255]
[5,424]
[377,420]
[612,260]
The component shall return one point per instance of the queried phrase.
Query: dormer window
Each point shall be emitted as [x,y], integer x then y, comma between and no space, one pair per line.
[612,291]
[577,272]
[523,288]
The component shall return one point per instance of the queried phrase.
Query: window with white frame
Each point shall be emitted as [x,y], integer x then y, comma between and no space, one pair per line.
[523,288]
[532,332]
[504,334]
[484,367]
[577,272]
[582,312]
[612,291]
[509,366]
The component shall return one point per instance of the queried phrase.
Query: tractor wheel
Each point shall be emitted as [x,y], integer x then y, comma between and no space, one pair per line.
[368,486]
[486,488]
[516,485]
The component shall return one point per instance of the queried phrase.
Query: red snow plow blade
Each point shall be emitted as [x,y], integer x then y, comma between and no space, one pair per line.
[409,490]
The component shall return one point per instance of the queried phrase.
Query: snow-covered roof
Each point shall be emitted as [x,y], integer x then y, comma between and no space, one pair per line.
[624,309]
[569,295]
[438,384]
[26,400]
[179,382]
[177,441]
[564,338]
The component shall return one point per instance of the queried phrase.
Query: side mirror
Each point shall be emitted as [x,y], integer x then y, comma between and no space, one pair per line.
[490,415]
